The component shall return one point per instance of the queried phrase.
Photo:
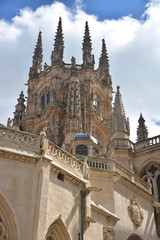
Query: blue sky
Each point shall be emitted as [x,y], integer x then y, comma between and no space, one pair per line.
[102,8]
[133,45]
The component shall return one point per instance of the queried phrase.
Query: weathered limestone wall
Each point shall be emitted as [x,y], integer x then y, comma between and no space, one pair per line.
[95,230]
[126,226]
[16,179]
[106,196]
[64,199]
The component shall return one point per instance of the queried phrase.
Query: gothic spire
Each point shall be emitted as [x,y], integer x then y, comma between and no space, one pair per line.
[36,68]
[104,66]
[142,131]
[120,124]
[57,53]
[19,112]
[88,58]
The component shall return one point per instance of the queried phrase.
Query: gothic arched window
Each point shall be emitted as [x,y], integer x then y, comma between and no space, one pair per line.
[43,101]
[95,152]
[82,150]
[48,96]
[151,174]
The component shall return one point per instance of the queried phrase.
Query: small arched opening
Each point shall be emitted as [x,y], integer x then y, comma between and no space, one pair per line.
[82,150]
[134,237]
[95,152]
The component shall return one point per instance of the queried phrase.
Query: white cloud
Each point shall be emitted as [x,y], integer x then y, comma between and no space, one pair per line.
[133,47]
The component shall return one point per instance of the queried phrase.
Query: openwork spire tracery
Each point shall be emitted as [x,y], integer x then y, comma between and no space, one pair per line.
[119,121]
[57,53]
[88,58]
[104,66]
[36,68]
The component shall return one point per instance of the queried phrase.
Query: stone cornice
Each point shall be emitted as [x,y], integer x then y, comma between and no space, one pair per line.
[10,155]
[104,211]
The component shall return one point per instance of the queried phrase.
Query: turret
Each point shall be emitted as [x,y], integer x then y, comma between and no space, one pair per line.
[88,58]
[120,124]
[57,53]
[142,131]
[19,112]
[36,68]
[104,66]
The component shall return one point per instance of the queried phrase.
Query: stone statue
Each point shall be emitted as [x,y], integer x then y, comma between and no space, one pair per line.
[43,138]
[73,62]
[86,169]
[9,123]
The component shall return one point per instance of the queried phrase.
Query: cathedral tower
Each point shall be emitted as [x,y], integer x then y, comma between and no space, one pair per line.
[69,98]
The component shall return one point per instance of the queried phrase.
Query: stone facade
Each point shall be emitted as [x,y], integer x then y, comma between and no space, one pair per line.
[68,169]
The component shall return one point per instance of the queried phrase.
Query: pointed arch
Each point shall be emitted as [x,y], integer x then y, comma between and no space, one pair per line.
[145,164]
[57,231]
[150,172]
[8,224]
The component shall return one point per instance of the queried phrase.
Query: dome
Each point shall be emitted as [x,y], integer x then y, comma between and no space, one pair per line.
[82,136]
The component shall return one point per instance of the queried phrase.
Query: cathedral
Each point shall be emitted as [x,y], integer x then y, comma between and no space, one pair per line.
[68,168]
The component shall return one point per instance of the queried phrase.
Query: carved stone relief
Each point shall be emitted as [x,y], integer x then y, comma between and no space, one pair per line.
[135,212]
[108,233]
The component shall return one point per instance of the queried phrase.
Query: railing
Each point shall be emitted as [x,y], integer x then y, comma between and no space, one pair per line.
[134,147]
[20,138]
[99,164]
[111,165]
[69,66]
[65,157]
[148,143]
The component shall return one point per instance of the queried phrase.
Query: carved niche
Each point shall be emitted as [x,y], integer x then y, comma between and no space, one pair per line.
[135,212]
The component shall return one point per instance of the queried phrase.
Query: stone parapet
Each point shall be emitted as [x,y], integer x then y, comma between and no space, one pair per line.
[121,143]
[64,156]
[11,138]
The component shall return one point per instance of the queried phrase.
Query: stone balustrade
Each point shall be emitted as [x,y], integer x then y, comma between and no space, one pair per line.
[69,66]
[12,138]
[134,147]
[148,143]
[65,156]
[98,164]
[9,136]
